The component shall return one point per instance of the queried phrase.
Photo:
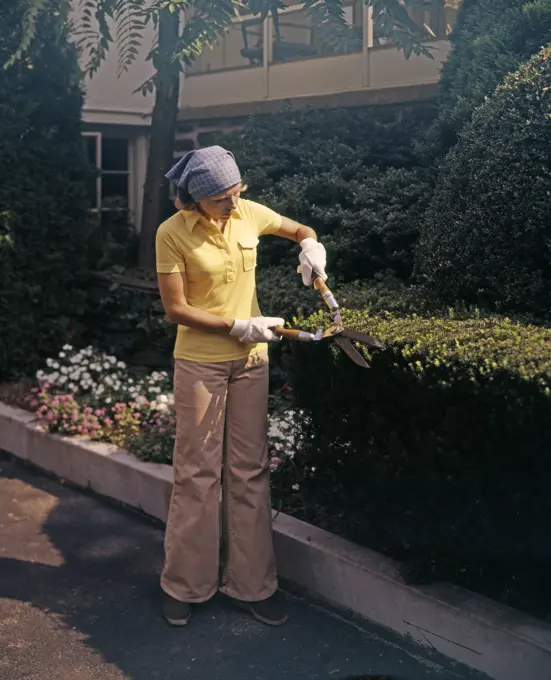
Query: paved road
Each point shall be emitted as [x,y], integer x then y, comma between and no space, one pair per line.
[79,600]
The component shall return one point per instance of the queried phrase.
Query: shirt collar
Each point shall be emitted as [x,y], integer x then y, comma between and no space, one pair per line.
[193,217]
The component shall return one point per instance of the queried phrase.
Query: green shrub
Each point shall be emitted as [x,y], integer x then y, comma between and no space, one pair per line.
[488,228]
[378,226]
[128,320]
[349,173]
[491,38]
[43,196]
[439,453]
[282,293]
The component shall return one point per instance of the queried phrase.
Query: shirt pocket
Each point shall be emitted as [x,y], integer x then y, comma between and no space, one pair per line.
[247,246]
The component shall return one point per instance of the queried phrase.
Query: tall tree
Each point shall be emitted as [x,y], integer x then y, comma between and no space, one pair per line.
[184,28]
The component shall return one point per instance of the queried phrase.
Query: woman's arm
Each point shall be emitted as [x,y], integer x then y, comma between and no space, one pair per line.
[173,295]
[313,257]
[295,232]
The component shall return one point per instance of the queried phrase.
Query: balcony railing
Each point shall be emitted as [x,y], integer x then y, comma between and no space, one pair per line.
[288,57]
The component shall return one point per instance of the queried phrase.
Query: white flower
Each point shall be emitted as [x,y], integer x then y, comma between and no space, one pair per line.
[296,487]
[113,360]
[67,348]
[141,400]
[121,364]
[49,363]
[163,399]
[162,407]
[64,370]
[108,400]
[40,375]
[106,366]
[63,380]
[62,355]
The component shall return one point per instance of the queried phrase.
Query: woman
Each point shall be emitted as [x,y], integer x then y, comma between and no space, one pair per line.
[206,259]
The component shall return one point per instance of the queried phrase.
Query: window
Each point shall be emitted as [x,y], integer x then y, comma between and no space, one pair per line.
[110,189]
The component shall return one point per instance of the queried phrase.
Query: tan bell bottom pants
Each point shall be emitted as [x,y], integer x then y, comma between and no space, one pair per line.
[221,411]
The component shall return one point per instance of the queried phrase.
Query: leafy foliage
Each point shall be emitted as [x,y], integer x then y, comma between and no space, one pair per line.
[205,22]
[487,231]
[491,38]
[351,174]
[43,196]
[439,453]
[130,322]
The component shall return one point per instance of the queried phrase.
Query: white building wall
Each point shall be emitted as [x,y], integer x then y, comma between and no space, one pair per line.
[113,108]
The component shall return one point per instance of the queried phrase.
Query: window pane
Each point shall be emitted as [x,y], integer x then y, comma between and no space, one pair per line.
[114,191]
[91,145]
[114,221]
[93,192]
[114,154]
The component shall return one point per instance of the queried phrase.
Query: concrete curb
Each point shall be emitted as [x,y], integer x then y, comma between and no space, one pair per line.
[499,641]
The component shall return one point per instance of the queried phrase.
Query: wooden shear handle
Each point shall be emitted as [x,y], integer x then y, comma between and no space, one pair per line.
[328,297]
[294,334]
[289,333]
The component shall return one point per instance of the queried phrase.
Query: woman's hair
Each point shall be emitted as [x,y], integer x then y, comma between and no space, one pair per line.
[194,205]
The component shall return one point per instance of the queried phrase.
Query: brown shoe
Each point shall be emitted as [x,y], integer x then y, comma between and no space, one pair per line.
[175,612]
[272,611]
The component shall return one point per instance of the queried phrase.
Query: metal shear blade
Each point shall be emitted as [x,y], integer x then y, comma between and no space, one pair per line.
[349,349]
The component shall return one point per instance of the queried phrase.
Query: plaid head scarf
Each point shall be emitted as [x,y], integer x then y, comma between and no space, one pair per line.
[204,173]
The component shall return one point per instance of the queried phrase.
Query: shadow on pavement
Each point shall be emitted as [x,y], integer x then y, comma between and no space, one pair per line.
[94,569]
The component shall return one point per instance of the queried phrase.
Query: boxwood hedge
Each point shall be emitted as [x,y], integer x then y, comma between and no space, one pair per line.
[487,232]
[439,454]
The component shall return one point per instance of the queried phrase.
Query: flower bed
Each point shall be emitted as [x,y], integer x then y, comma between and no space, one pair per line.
[92,394]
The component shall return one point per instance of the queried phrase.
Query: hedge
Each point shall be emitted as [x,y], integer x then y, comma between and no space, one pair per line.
[43,195]
[491,38]
[487,230]
[352,174]
[439,454]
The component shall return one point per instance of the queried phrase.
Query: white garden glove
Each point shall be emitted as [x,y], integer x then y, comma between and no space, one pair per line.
[257,329]
[313,256]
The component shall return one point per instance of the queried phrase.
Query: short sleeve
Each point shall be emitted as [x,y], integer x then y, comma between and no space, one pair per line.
[263,220]
[169,259]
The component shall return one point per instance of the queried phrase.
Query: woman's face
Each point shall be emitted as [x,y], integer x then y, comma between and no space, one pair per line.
[220,207]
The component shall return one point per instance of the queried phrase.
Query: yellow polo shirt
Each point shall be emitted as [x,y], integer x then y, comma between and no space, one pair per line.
[220,274]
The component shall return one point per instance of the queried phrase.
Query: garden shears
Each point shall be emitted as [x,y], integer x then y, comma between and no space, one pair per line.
[343,337]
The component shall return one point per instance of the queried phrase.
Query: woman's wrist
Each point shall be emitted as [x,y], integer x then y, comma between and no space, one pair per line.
[304,233]
[238,326]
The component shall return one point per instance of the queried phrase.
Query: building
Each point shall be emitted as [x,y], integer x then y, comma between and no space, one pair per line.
[258,67]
